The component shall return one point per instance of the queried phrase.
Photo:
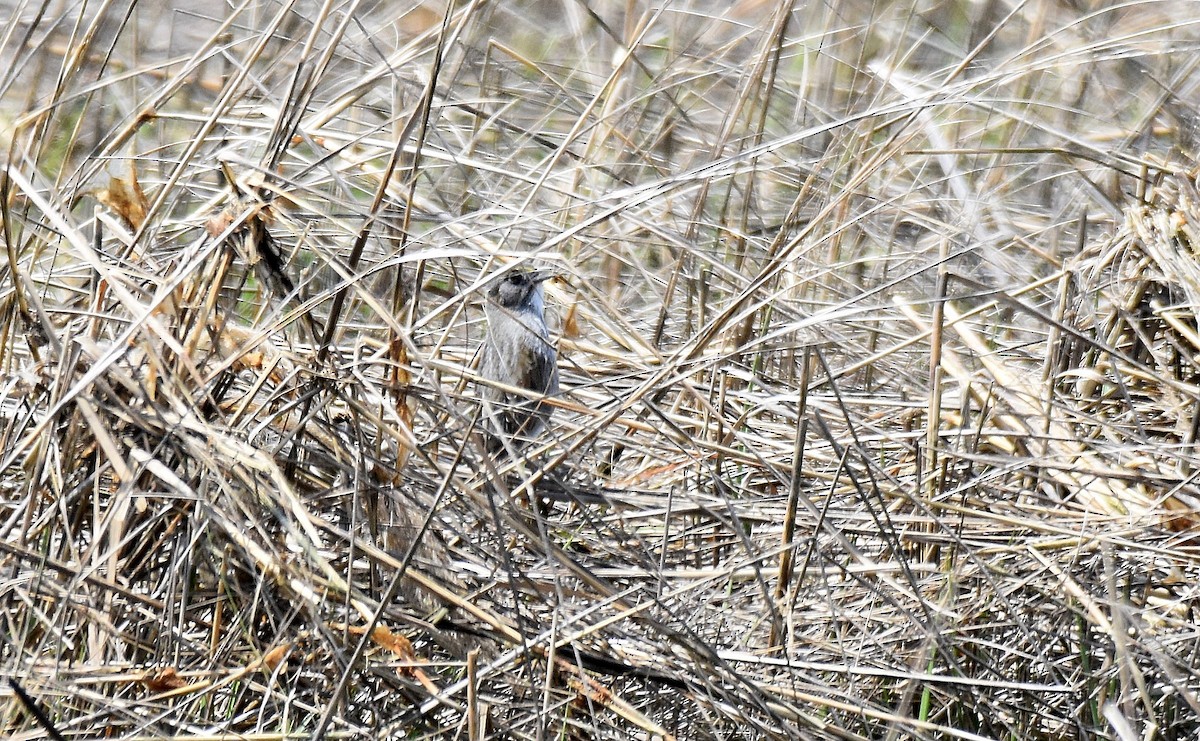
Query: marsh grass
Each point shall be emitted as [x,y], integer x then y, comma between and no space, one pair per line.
[877,338]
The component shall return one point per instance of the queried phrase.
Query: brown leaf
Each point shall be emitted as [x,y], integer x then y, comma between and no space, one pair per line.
[397,643]
[276,656]
[126,197]
[217,225]
[405,405]
[163,680]
[383,637]
[570,323]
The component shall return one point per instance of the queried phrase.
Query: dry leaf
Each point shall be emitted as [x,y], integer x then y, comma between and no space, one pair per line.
[163,680]
[383,637]
[405,405]
[276,656]
[570,323]
[397,643]
[126,198]
[217,225]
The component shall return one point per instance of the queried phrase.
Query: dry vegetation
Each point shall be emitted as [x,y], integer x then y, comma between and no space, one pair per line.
[877,333]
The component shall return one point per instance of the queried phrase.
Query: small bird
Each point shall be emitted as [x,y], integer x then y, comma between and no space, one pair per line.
[517,352]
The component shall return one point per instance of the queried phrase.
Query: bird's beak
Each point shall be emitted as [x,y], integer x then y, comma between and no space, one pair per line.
[539,276]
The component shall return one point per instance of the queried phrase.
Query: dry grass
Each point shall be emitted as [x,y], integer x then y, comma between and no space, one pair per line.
[878,343]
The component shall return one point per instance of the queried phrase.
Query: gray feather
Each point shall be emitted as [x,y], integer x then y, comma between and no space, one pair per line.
[517,352]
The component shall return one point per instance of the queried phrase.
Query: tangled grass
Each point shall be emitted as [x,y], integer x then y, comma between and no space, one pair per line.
[878,347]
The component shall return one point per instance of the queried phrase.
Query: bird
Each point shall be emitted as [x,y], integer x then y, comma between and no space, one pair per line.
[517,352]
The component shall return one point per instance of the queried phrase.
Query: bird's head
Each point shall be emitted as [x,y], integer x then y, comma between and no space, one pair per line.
[520,290]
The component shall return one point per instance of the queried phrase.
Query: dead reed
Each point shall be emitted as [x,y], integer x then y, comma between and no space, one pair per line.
[878,347]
